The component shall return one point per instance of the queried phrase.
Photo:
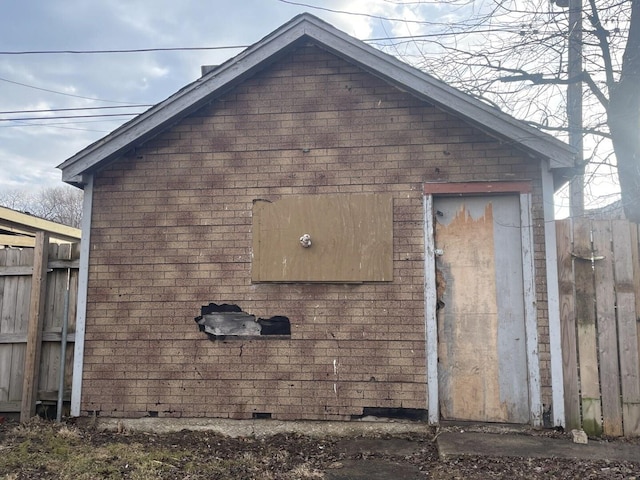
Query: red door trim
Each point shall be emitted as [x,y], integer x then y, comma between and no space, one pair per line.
[459,188]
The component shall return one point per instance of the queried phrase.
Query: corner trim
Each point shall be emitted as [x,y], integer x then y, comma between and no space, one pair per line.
[81,312]
[530,311]
[553,298]
[430,300]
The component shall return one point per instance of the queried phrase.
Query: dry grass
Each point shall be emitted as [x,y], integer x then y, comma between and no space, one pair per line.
[45,450]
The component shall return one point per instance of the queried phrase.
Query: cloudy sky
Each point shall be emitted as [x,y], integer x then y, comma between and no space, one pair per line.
[35,88]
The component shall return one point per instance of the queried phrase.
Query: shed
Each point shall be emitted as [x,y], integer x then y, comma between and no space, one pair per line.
[351,236]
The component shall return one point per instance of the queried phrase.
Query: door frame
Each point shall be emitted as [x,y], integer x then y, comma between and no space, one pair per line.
[523,189]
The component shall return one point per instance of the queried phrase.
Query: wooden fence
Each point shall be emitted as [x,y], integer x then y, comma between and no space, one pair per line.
[31,323]
[599,273]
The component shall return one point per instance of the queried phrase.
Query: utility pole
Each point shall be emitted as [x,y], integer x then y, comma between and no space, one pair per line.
[574,104]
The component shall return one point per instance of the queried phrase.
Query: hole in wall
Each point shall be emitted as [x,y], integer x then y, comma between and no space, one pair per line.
[418,414]
[219,321]
[261,415]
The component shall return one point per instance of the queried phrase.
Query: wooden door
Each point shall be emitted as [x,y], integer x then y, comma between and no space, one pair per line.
[482,360]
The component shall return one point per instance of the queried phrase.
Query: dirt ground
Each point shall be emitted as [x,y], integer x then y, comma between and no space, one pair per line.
[45,450]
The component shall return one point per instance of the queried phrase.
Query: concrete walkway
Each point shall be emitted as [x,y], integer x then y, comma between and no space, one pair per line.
[459,444]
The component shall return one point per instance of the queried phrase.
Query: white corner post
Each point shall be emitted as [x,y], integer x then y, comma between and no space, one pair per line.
[530,311]
[81,313]
[553,297]
[431,326]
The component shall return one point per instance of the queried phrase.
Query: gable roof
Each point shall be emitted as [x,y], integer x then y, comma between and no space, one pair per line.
[308,28]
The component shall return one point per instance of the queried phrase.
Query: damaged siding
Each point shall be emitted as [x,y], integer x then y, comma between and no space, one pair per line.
[172,231]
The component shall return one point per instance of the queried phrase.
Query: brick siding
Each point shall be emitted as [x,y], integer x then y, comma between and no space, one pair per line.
[171,231]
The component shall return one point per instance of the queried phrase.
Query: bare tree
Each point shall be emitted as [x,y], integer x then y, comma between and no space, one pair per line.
[61,204]
[513,54]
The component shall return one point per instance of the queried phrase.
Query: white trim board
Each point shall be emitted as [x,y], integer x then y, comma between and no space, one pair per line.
[81,311]
[530,311]
[431,324]
[553,298]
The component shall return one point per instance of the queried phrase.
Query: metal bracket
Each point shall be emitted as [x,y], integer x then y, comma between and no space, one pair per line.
[592,258]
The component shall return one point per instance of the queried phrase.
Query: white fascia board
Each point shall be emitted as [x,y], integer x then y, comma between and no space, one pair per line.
[267,50]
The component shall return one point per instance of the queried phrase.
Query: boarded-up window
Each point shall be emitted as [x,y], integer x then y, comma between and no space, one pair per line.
[351,238]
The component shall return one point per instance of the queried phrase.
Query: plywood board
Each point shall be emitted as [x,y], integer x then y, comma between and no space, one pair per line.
[351,238]
[467,333]
[481,376]
[607,329]
[564,241]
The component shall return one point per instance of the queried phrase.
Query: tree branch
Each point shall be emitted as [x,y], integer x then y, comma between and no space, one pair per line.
[602,35]
[602,98]
[589,131]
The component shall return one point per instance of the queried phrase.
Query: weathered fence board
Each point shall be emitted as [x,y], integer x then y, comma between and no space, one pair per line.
[16,270]
[568,325]
[14,320]
[607,330]
[599,273]
[586,323]
[37,308]
[628,341]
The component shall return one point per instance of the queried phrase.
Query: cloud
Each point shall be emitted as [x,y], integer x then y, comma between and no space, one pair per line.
[30,150]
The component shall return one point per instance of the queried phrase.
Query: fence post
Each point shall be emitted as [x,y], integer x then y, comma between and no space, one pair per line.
[34,329]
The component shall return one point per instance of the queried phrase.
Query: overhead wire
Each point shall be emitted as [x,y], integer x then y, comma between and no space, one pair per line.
[61,117]
[128,50]
[59,93]
[11,112]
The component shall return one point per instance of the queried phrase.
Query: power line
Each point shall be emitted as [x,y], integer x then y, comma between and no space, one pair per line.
[358,14]
[11,112]
[53,125]
[128,50]
[59,93]
[515,29]
[19,119]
